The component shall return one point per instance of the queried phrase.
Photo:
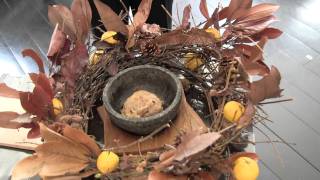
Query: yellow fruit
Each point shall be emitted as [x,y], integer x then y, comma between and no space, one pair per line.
[192,62]
[57,106]
[107,162]
[109,37]
[95,56]
[232,111]
[246,169]
[215,33]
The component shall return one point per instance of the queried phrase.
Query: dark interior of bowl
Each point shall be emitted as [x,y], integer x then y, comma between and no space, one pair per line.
[150,79]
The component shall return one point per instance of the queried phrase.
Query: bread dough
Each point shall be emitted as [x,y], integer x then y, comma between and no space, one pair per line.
[141,104]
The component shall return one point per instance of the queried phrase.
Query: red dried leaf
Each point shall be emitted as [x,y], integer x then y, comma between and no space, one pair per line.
[223,13]
[267,87]
[256,51]
[271,33]
[82,15]
[247,116]
[6,120]
[258,12]
[154,175]
[6,91]
[59,14]
[186,16]
[34,132]
[35,57]
[204,9]
[57,41]
[43,81]
[142,14]
[74,64]
[82,138]
[110,19]
[195,144]
[27,168]
[37,103]
[253,27]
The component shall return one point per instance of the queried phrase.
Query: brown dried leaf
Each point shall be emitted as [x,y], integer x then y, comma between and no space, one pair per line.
[6,120]
[27,168]
[82,15]
[253,27]
[43,81]
[59,14]
[6,91]
[267,87]
[35,57]
[57,41]
[60,158]
[195,144]
[34,132]
[258,12]
[110,19]
[255,68]
[223,13]
[82,138]
[186,16]
[247,116]
[237,5]
[142,14]
[204,9]
[178,37]
[155,175]
[270,33]
[257,50]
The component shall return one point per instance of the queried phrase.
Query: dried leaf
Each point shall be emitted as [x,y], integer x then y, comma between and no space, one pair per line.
[37,102]
[34,132]
[110,19]
[142,14]
[236,5]
[6,91]
[82,15]
[258,12]
[204,9]
[267,87]
[257,50]
[82,138]
[247,116]
[252,27]
[23,118]
[57,41]
[178,37]
[270,33]
[186,16]
[73,65]
[223,13]
[35,57]
[255,68]
[27,168]
[113,68]
[59,14]
[43,81]
[60,158]
[196,144]
[6,120]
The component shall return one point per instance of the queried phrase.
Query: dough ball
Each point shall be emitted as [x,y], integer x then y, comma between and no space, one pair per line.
[141,104]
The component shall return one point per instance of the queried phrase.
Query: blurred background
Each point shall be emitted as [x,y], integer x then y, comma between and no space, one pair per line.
[24,24]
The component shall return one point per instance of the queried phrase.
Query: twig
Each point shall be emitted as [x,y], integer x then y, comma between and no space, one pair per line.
[277,101]
[169,14]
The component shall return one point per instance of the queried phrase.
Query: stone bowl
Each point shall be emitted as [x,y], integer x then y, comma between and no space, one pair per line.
[154,79]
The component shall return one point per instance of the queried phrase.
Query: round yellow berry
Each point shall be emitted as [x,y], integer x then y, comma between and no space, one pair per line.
[95,56]
[192,62]
[246,169]
[107,162]
[232,111]
[57,106]
[214,32]
[109,37]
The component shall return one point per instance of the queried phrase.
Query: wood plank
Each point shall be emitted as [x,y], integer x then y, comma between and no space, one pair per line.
[186,121]
[314,65]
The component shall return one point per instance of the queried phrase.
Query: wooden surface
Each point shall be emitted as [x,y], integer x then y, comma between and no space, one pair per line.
[187,120]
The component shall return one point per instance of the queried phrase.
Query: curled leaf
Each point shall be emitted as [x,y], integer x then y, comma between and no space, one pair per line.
[267,87]
[6,91]
[35,57]
[57,41]
[43,81]
[59,14]
[110,19]
[204,9]
[27,168]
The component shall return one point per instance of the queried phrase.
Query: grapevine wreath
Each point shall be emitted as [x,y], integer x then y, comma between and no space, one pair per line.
[214,61]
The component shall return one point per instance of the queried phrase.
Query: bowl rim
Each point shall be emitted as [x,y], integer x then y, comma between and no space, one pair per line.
[173,104]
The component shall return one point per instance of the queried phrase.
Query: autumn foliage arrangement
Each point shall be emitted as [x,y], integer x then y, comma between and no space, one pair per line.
[215,60]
